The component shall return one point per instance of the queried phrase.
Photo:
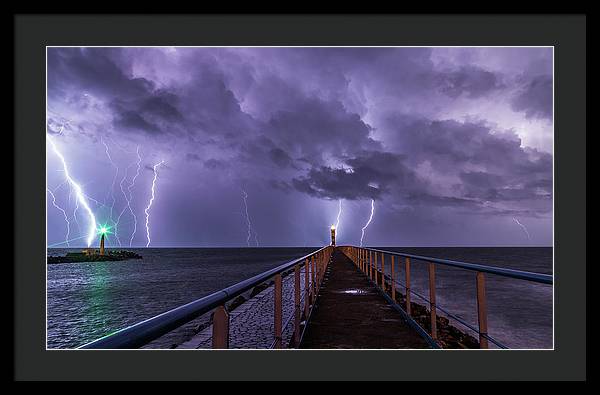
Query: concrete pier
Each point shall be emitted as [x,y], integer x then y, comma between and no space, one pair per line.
[334,297]
[351,313]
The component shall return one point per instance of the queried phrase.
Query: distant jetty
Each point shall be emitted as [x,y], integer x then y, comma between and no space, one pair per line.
[93,256]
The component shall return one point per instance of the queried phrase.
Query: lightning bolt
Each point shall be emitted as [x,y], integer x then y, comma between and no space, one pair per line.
[337,223]
[137,173]
[75,214]
[124,208]
[128,197]
[64,213]
[112,189]
[245,197]
[81,198]
[523,227]
[146,211]
[368,222]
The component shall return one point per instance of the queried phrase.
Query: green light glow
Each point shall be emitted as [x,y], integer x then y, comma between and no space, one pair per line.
[104,229]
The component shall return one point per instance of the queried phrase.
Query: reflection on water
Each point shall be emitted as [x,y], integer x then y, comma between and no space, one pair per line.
[89,300]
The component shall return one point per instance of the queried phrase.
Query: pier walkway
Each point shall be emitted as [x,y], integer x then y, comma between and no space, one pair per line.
[335,297]
[351,313]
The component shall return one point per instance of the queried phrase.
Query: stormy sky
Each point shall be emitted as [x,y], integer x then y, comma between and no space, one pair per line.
[454,145]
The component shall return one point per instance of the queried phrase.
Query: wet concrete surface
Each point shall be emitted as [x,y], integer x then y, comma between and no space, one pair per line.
[350,313]
[252,323]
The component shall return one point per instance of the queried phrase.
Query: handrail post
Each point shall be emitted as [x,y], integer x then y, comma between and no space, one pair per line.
[393,281]
[306,288]
[482,310]
[321,267]
[317,272]
[313,278]
[373,257]
[360,259]
[321,261]
[371,265]
[376,273]
[407,285]
[278,310]
[220,331]
[364,261]
[296,305]
[383,272]
[432,308]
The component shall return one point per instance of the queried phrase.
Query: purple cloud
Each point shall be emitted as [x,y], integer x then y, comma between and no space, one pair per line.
[535,98]
[427,133]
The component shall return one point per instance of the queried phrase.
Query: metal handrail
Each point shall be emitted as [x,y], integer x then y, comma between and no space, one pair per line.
[519,274]
[287,323]
[145,331]
[303,299]
[451,315]
[366,260]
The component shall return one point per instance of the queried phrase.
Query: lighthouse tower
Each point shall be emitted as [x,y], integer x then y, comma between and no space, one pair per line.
[333,235]
[102,244]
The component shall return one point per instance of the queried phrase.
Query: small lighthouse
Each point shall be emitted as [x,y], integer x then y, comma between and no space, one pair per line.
[102,244]
[333,235]
[103,232]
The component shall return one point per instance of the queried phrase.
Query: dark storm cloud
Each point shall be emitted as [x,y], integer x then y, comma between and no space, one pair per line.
[315,123]
[152,113]
[472,81]
[264,152]
[316,129]
[489,165]
[535,98]
[325,182]
[211,106]
[92,69]
[450,145]
[280,157]
[136,103]
[367,176]
[302,128]
[403,73]
[162,105]
[132,120]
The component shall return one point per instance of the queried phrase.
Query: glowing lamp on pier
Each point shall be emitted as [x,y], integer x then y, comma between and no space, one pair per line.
[102,231]
[333,235]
